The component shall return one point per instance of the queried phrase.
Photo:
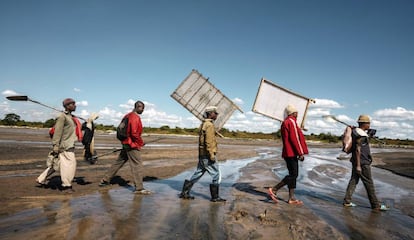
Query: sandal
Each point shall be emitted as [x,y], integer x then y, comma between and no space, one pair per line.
[272,195]
[296,202]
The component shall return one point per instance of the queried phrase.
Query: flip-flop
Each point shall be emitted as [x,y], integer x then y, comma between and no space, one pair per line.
[296,202]
[272,195]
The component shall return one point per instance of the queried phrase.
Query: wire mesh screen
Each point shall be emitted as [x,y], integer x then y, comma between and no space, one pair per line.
[195,93]
[271,101]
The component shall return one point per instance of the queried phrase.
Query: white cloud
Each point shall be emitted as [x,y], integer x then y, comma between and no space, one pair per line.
[156,118]
[129,105]
[239,116]
[9,92]
[325,103]
[238,101]
[110,116]
[389,122]
[397,113]
[407,126]
[82,103]
[318,112]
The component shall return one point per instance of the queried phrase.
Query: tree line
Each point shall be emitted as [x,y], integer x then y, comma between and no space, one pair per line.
[13,119]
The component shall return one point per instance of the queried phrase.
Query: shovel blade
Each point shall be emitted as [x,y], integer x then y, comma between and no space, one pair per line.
[18,98]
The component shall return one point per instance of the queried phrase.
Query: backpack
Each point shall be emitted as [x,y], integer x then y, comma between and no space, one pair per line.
[51,131]
[347,140]
[121,130]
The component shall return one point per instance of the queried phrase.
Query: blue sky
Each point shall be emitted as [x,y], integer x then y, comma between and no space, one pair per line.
[353,57]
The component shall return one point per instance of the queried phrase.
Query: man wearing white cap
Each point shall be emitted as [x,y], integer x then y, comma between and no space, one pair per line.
[361,165]
[294,149]
[207,162]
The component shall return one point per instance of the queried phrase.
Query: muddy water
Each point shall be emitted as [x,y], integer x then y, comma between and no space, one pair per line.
[116,213]
[322,184]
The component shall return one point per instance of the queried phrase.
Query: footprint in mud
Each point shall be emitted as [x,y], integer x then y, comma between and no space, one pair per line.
[240,214]
[266,219]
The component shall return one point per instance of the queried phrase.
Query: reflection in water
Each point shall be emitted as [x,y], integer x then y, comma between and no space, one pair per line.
[117,213]
[124,212]
[63,221]
[322,183]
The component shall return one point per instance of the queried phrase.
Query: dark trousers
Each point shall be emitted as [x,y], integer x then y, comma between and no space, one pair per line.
[366,178]
[293,168]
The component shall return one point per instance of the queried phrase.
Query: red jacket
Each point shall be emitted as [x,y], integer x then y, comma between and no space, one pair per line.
[134,131]
[293,139]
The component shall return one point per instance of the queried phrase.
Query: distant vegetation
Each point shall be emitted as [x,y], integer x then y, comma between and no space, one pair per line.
[12,119]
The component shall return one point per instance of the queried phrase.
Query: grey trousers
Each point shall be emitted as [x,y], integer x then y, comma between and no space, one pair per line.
[135,163]
[366,178]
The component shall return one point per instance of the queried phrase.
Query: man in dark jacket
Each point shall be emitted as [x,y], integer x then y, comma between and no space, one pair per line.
[294,149]
[131,148]
[361,165]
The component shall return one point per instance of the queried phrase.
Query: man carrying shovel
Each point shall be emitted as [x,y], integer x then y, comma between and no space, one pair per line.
[53,162]
[67,131]
[64,134]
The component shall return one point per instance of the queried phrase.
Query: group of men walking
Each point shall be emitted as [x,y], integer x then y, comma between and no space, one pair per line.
[67,131]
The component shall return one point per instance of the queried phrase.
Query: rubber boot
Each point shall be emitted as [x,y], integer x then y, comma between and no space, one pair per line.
[214,190]
[185,193]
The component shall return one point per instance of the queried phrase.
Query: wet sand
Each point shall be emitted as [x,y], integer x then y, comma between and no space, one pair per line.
[114,212]
[322,216]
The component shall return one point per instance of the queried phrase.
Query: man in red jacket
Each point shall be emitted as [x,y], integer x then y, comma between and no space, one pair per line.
[294,149]
[131,148]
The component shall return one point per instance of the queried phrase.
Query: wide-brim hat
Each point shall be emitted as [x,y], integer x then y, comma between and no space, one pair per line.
[364,119]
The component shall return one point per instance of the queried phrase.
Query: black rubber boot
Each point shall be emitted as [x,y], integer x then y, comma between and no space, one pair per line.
[185,193]
[214,190]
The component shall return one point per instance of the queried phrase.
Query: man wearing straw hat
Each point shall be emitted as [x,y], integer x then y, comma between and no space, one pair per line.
[361,165]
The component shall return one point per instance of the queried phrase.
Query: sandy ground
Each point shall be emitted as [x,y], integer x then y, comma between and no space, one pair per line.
[92,212]
[24,152]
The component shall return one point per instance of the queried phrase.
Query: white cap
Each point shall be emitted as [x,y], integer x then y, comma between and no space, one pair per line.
[211,109]
[290,109]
